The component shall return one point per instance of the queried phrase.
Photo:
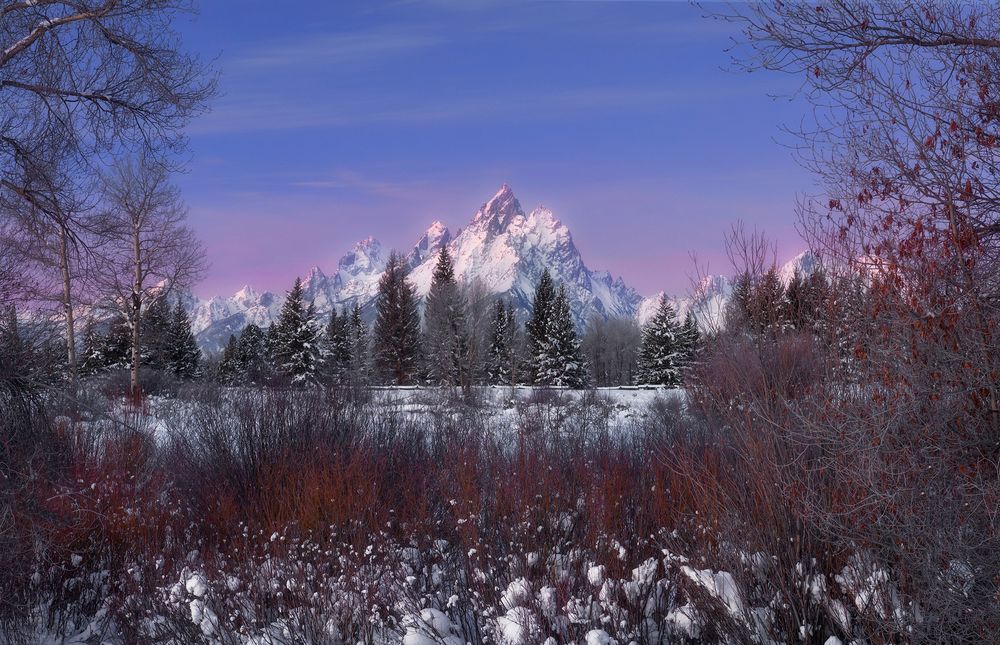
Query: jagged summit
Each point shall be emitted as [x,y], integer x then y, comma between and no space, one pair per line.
[498,212]
[436,236]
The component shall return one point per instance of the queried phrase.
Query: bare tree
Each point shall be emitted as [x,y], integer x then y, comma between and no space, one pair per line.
[901,472]
[150,251]
[101,76]
[611,348]
[56,234]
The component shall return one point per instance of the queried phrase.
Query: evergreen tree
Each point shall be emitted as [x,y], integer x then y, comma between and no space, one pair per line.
[738,314]
[358,335]
[156,334]
[768,307]
[537,326]
[498,370]
[92,358]
[446,336]
[338,340]
[297,350]
[659,355]
[690,340]
[397,325]
[183,355]
[561,360]
[271,347]
[117,350]
[251,355]
[796,301]
[229,367]
[513,340]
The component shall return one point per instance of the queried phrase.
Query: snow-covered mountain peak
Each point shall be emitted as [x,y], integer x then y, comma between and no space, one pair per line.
[367,256]
[546,228]
[436,236]
[805,263]
[246,297]
[499,211]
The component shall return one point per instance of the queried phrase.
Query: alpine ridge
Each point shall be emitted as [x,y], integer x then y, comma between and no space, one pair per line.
[502,248]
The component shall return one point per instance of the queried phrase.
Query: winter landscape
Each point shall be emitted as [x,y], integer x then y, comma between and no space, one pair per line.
[728,374]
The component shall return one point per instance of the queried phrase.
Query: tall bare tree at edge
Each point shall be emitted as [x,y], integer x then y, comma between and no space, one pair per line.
[150,250]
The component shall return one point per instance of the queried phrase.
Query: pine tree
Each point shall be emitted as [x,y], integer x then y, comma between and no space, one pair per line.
[271,347]
[92,359]
[537,326]
[338,340]
[796,301]
[498,370]
[659,356]
[738,310]
[397,325]
[156,331]
[229,367]
[690,341]
[562,361]
[446,337]
[183,355]
[296,344]
[358,335]
[251,355]
[512,344]
[768,306]
[117,350]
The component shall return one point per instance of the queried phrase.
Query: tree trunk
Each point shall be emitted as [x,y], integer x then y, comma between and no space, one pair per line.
[68,308]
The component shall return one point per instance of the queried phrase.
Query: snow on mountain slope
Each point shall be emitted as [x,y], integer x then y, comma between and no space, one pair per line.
[503,248]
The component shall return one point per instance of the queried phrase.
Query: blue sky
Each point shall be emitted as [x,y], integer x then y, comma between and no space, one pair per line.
[338,120]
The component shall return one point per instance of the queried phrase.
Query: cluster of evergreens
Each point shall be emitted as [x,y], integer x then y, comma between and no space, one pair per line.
[444,345]
[168,343]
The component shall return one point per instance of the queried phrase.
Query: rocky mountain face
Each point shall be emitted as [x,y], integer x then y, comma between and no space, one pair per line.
[503,249]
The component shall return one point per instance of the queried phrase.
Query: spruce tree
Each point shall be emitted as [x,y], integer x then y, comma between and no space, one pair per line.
[498,361]
[183,353]
[512,344]
[338,340]
[738,310]
[92,359]
[156,331]
[537,326]
[446,337]
[796,301]
[397,325]
[251,355]
[271,347]
[297,350]
[659,355]
[768,306]
[358,335]
[561,362]
[690,341]
[117,349]
[229,368]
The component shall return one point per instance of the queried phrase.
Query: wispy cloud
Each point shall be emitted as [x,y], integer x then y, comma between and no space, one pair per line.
[283,113]
[356,182]
[332,49]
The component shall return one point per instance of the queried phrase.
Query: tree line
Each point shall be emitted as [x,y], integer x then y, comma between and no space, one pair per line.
[463,338]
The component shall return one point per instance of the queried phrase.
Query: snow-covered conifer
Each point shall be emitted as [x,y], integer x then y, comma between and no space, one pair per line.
[183,354]
[660,352]
[446,339]
[397,325]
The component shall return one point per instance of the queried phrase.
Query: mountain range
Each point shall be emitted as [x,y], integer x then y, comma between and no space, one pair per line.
[502,248]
